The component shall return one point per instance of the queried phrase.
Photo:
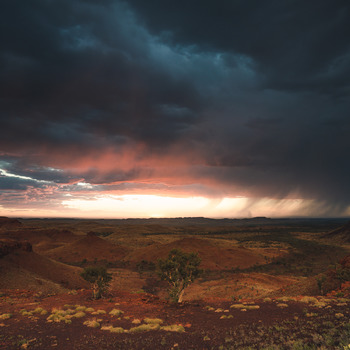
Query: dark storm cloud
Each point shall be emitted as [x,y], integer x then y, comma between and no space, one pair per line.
[251,96]
[72,68]
[294,44]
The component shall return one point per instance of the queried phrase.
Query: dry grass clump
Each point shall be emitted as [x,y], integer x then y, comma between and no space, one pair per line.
[173,328]
[113,329]
[92,323]
[245,307]
[282,305]
[40,311]
[252,307]
[98,312]
[219,310]
[150,325]
[70,311]
[144,328]
[226,316]
[24,312]
[136,321]
[307,299]
[116,312]
[237,306]
[153,320]
[325,300]
[59,316]
[117,330]
[320,304]
[285,299]
[5,316]
[209,308]
[89,309]
[80,308]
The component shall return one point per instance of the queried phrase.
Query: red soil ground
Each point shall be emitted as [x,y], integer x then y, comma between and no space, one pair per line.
[207,325]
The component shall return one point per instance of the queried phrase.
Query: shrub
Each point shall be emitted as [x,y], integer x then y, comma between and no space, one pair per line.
[179,269]
[99,279]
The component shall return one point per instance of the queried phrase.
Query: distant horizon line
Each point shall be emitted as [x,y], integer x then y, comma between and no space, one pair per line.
[179,217]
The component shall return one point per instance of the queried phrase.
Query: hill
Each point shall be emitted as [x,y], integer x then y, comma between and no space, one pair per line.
[40,238]
[90,247]
[213,257]
[21,268]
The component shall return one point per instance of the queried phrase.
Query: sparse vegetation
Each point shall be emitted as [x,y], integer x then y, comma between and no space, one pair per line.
[289,251]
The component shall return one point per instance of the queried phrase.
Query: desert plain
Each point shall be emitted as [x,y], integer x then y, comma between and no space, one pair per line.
[265,284]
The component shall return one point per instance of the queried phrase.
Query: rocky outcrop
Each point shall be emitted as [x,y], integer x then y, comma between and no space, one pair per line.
[8,246]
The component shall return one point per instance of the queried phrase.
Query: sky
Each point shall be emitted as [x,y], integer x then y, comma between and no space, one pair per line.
[229,108]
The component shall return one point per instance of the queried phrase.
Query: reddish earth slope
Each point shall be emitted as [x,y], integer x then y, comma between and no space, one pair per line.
[341,234]
[20,268]
[213,258]
[90,248]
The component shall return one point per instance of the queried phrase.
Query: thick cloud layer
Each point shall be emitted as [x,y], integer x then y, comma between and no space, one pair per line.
[236,98]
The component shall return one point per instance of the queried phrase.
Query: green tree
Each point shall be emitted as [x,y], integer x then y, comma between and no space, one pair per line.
[99,279]
[179,269]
